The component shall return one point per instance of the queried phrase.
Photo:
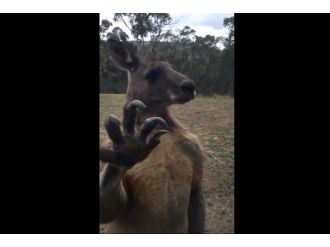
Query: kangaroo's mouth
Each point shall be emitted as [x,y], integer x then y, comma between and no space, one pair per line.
[188,90]
[183,93]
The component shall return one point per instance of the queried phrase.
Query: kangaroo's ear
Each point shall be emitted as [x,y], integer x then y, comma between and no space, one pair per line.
[152,55]
[122,56]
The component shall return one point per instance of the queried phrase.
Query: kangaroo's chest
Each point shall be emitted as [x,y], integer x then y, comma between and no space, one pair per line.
[159,191]
[160,183]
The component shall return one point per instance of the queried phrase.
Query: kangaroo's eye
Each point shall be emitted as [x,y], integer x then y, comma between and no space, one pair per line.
[152,74]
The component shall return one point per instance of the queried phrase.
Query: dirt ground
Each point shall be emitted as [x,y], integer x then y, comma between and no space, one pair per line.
[212,120]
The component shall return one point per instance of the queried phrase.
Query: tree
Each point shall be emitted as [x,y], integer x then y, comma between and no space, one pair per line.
[229,23]
[187,35]
[198,57]
[227,61]
[159,23]
[105,25]
[142,25]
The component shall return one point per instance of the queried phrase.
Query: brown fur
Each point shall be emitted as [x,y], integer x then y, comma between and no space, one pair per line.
[158,189]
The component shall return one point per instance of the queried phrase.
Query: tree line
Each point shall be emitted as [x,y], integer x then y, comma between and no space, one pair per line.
[200,58]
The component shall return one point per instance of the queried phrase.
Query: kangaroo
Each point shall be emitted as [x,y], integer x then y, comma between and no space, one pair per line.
[151,172]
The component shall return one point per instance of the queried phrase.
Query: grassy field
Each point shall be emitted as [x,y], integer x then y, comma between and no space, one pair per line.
[212,120]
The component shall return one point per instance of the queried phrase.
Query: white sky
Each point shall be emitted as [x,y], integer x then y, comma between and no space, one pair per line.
[203,24]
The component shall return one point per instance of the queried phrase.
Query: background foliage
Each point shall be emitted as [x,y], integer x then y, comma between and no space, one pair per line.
[200,58]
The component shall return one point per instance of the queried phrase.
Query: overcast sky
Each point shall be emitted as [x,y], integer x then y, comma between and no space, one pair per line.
[203,24]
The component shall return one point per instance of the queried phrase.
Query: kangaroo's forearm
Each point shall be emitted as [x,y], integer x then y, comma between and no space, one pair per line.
[113,197]
[196,212]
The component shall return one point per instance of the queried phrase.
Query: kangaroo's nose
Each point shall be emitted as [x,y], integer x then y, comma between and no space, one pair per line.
[187,86]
